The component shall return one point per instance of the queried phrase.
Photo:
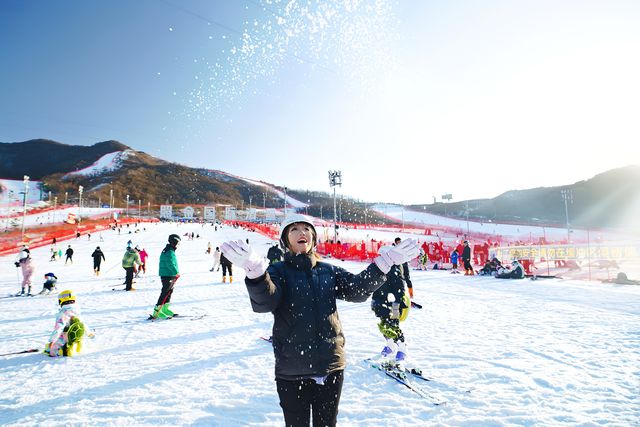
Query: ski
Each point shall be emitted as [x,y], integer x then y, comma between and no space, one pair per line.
[31,350]
[402,377]
[416,305]
[177,316]
[267,339]
[417,373]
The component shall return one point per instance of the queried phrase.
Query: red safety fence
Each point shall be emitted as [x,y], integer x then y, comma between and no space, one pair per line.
[44,235]
[270,230]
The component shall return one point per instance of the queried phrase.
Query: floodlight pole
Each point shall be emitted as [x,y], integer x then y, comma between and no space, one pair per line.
[567,195]
[24,208]
[285,202]
[335,179]
[80,189]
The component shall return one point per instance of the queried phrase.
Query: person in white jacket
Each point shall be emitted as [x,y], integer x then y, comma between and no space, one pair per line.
[24,260]
[216,259]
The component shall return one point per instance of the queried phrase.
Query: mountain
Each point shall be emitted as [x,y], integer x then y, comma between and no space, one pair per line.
[38,158]
[609,199]
[112,166]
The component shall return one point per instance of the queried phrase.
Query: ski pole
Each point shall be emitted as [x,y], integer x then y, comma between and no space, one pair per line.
[31,350]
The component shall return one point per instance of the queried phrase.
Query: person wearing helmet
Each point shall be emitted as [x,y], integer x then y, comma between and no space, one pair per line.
[130,260]
[169,274]
[390,303]
[274,254]
[49,284]
[301,292]
[98,257]
[25,262]
[516,271]
[66,338]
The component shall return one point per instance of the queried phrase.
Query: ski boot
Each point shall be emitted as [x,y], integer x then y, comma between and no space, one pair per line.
[388,349]
[401,355]
[159,313]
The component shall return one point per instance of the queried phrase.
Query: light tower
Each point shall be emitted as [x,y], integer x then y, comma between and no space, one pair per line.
[80,190]
[24,208]
[567,196]
[335,179]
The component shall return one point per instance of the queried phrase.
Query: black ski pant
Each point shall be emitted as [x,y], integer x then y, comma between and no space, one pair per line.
[96,265]
[128,281]
[299,398]
[167,290]
[467,265]
[224,270]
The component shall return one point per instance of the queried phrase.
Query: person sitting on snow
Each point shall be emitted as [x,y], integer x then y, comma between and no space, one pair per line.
[516,272]
[66,338]
[49,284]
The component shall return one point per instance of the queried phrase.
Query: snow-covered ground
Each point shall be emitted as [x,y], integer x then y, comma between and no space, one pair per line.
[545,352]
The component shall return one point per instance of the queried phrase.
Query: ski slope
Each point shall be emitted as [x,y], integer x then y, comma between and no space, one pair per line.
[545,352]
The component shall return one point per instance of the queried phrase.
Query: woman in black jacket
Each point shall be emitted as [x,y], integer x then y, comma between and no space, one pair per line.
[301,292]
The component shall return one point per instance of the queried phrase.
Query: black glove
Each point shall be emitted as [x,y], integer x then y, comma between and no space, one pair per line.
[17,264]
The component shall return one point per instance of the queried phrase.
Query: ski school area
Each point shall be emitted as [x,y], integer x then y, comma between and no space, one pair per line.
[497,352]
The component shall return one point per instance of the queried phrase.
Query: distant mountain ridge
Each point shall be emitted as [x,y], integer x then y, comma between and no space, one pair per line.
[38,158]
[610,199]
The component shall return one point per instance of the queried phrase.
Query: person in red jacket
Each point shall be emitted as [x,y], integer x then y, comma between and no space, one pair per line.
[143,259]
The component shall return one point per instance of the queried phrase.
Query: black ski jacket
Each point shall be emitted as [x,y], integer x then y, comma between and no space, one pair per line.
[381,304]
[466,253]
[301,293]
[97,254]
[274,254]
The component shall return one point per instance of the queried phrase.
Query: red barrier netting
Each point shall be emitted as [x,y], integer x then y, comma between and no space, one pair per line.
[41,236]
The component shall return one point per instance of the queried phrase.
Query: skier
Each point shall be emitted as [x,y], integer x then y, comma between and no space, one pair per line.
[24,261]
[226,265]
[274,254]
[301,292]
[54,252]
[466,259]
[50,283]
[143,259]
[216,259]
[208,251]
[454,261]
[98,257]
[129,262]
[391,304]
[69,255]
[66,338]
[169,274]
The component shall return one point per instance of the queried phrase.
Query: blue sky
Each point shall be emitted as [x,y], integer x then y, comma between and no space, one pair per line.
[410,99]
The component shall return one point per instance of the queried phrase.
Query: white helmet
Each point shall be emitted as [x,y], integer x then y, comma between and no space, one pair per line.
[293,219]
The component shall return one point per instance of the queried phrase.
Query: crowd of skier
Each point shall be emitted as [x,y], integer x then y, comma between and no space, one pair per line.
[297,287]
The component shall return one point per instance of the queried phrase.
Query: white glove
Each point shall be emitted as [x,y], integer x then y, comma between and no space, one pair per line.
[397,255]
[241,254]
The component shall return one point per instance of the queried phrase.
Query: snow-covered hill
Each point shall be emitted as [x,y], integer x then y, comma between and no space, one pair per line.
[533,352]
[107,163]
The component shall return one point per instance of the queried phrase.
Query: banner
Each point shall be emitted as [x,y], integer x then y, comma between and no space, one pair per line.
[583,252]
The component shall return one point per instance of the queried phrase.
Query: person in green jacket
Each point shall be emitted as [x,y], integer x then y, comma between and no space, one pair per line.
[129,261]
[169,273]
